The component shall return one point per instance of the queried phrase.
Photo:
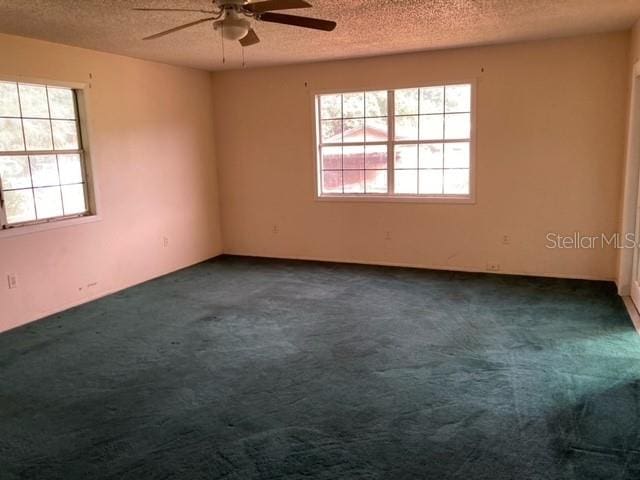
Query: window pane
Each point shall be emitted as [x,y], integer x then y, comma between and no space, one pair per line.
[431,141]
[457,125]
[376,130]
[33,99]
[431,155]
[353,130]
[31,183]
[431,127]
[11,138]
[353,105]
[331,158]
[431,182]
[37,134]
[406,181]
[331,131]
[65,135]
[61,103]
[376,181]
[376,104]
[19,206]
[9,106]
[406,156]
[456,155]
[407,101]
[353,157]
[375,157]
[332,181]
[44,170]
[456,181]
[70,168]
[73,199]
[330,106]
[458,98]
[432,100]
[14,172]
[407,128]
[48,202]
[353,181]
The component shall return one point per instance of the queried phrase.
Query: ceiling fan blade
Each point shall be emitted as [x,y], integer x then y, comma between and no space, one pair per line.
[175,29]
[269,5]
[171,10]
[249,39]
[296,21]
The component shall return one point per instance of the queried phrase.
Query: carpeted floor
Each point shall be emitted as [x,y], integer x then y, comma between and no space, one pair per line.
[262,369]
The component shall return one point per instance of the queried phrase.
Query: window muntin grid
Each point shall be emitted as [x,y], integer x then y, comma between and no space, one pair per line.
[42,173]
[420,145]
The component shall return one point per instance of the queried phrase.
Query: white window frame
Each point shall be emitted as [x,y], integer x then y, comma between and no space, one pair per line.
[391,142]
[82,94]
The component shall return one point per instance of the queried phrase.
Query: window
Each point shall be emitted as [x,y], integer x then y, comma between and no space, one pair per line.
[42,174]
[414,142]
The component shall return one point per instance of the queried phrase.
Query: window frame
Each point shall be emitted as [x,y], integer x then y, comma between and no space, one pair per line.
[391,142]
[81,94]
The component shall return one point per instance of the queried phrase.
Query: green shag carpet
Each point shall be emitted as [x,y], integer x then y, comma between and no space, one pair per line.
[242,368]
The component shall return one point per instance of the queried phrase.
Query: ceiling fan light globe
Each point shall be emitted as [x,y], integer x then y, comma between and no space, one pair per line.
[235,28]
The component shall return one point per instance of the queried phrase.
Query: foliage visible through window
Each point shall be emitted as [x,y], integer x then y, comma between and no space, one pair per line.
[423,148]
[41,160]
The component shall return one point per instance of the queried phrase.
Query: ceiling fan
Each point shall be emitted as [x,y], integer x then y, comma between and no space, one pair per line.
[232,17]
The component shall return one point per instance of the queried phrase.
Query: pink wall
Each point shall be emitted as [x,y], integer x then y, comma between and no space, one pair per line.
[550,148]
[153,156]
[551,128]
[635,43]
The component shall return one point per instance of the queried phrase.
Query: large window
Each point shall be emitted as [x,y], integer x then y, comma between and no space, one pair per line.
[42,174]
[415,142]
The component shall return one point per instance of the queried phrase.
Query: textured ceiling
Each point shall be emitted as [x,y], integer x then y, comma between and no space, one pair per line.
[365,27]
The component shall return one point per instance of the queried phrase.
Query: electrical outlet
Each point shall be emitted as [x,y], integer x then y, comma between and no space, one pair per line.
[276,229]
[165,242]
[506,240]
[493,266]
[387,235]
[12,281]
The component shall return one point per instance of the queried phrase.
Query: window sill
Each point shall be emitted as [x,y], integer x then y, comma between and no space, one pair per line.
[52,225]
[396,199]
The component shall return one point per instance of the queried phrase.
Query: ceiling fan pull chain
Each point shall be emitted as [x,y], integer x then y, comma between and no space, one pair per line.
[224,60]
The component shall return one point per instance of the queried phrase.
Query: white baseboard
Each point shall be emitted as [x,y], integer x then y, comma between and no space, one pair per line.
[633,312]
[426,266]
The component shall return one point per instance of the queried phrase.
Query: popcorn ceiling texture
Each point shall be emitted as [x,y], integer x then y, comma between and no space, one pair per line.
[365,27]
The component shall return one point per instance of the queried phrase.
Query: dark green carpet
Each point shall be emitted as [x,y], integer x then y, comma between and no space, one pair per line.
[245,368]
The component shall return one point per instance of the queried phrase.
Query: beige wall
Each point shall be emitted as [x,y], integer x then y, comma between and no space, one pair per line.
[550,141]
[153,156]
[635,43]
[551,120]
